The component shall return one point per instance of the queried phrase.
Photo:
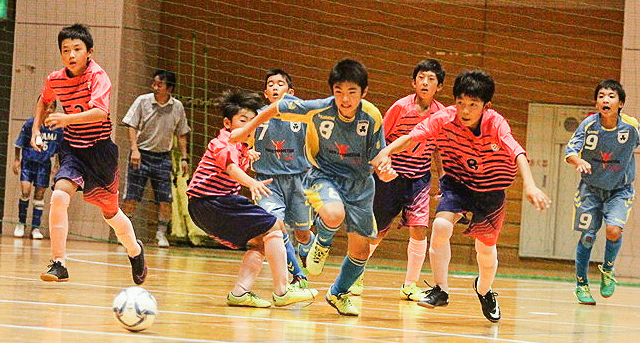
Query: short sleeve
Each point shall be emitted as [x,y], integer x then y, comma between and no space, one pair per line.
[506,138]
[47,95]
[23,140]
[576,142]
[183,127]
[100,91]
[132,118]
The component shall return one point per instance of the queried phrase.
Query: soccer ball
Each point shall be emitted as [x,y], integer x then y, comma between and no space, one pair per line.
[135,308]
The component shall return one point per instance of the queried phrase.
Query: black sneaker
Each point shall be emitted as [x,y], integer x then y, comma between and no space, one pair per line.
[138,266]
[434,297]
[489,303]
[57,272]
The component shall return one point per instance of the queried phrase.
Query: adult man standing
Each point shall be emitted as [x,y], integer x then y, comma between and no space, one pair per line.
[153,120]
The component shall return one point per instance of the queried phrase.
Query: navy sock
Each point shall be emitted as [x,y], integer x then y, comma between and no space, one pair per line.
[292,259]
[349,273]
[611,252]
[583,254]
[23,205]
[325,233]
[303,249]
[37,214]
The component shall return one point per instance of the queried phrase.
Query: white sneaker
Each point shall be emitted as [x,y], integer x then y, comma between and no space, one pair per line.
[19,230]
[36,234]
[162,240]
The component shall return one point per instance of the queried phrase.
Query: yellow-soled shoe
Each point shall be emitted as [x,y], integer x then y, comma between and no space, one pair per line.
[316,258]
[342,303]
[249,299]
[411,292]
[294,295]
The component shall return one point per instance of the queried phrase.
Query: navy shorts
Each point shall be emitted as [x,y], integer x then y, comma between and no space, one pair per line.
[155,166]
[487,208]
[35,172]
[409,196]
[233,220]
[94,170]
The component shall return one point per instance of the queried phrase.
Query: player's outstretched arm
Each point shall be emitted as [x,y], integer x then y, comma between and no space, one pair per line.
[257,188]
[243,133]
[581,165]
[534,194]
[60,120]
[382,161]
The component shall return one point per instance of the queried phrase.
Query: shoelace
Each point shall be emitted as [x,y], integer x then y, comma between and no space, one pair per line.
[318,254]
[608,276]
[584,289]
[53,263]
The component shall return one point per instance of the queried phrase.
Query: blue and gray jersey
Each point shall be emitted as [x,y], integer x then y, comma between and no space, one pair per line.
[610,152]
[51,139]
[281,147]
[337,145]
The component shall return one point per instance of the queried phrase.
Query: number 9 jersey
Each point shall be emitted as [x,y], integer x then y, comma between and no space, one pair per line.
[610,152]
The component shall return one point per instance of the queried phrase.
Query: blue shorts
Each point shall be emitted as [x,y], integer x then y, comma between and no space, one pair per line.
[356,195]
[592,204]
[94,170]
[36,172]
[233,220]
[287,202]
[488,208]
[402,194]
[155,166]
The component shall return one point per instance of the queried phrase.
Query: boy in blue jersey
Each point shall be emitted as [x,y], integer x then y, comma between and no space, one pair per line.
[34,168]
[344,132]
[602,150]
[282,158]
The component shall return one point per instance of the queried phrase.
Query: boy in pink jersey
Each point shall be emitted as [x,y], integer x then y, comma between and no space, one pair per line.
[480,158]
[88,157]
[409,192]
[234,220]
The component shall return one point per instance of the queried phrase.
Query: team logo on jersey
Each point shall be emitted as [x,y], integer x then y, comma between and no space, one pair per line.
[623,136]
[342,150]
[495,147]
[363,127]
[295,126]
[277,145]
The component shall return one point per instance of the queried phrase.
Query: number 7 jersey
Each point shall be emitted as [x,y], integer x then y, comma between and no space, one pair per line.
[336,145]
[610,152]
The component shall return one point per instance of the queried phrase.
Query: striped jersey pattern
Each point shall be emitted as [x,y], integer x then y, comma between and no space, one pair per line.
[400,119]
[211,178]
[482,163]
[79,94]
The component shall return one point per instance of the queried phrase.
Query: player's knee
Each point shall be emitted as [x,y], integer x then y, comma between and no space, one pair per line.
[442,227]
[60,199]
[302,236]
[332,214]
[588,239]
[614,233]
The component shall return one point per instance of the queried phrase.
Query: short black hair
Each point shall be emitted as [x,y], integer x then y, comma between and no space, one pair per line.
[348,70]
[430,65]
[276,71]
[232,101]
[475,84]
[76,31]
[167,76]
[614,86]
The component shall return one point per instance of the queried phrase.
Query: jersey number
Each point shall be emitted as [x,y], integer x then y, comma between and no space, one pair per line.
[326,127]
[585,221]
[264,127]
[590,142]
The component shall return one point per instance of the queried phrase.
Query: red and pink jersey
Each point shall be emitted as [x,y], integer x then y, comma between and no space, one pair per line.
[79,94]
[211,178]
[483,163]
[399,120]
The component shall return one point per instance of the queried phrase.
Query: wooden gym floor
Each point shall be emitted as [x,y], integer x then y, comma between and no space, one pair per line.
[191,284]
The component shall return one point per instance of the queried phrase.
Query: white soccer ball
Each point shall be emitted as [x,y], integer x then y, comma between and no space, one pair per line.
[135,309]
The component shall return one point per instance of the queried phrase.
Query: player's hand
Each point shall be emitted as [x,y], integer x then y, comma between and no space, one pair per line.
[16,166]
[56,120]
[382,162]
[253,155]
[537,197]
[36,140]
[387,175]
[184,167]
[239,135]
[583,166]
[259,189]
[135,159]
